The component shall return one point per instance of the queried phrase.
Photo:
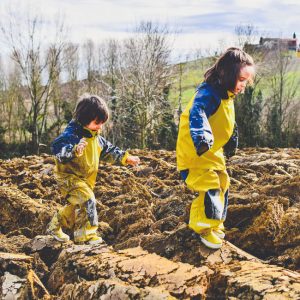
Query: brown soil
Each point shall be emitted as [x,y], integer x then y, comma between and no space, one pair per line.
[150,253]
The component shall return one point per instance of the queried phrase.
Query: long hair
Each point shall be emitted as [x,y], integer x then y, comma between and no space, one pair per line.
[225,72]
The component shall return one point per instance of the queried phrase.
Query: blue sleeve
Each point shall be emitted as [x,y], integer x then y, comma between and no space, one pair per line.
[110,153]
[63,146]
[203,107]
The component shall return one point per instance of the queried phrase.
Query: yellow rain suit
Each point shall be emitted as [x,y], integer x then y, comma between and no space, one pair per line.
[208,119]
[76,177]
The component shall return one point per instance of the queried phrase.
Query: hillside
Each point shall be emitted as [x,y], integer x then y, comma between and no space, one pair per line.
[192,76]
[149,252]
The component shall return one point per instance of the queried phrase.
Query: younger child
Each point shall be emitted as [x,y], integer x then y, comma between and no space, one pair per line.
[206,128]
[77,153]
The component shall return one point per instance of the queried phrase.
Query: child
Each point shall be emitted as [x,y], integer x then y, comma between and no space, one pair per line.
[77,153]
[206,128]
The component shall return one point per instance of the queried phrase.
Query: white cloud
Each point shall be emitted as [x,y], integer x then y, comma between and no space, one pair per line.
[200,22]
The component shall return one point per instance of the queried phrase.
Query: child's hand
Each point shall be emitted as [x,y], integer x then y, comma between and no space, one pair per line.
[132,160]
[80,147]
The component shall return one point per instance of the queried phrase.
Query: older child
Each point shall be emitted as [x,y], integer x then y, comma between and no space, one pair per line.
[207,127]
[77,153]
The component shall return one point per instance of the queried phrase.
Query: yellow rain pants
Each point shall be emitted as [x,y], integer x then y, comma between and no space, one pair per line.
[80,214]
[209,209]
[207,173]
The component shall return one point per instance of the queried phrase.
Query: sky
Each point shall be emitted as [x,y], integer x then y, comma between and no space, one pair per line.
[198,24]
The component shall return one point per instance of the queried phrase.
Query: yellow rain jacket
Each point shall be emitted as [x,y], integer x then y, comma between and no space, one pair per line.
[77,175]
[207,119]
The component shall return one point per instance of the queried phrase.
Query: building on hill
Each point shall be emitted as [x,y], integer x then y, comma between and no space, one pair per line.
[269,44]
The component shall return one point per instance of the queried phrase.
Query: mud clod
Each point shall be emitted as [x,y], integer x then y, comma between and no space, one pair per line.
[150,253]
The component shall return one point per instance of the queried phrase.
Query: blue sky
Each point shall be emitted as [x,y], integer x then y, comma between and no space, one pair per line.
[200,24]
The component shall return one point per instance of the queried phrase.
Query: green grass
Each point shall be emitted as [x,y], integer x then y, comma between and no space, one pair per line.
[192,76]
[291,79]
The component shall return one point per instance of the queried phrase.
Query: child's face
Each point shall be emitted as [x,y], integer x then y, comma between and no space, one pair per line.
[94,125]
[246,74]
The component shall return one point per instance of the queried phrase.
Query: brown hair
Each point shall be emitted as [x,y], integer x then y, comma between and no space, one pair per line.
[90,107]
[225,72]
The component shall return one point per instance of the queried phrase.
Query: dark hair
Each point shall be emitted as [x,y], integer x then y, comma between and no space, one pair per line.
[225,72]
[90,107]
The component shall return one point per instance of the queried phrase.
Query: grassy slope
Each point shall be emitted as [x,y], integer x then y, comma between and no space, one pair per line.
[192,75]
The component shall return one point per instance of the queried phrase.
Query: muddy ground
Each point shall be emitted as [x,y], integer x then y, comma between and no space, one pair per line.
[149,251]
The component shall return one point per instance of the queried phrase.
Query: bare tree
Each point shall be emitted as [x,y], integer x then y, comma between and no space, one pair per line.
[108,77]
[71,61]
[70,90]
[284,94]
[3,115]
[145,73]
[15,109]
[89,62]
[246,34]
[38,64]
